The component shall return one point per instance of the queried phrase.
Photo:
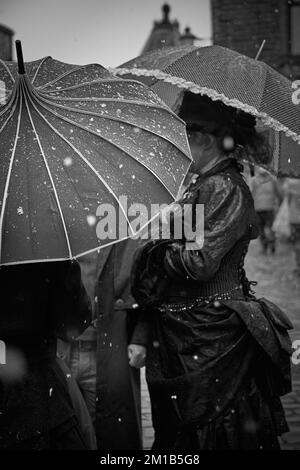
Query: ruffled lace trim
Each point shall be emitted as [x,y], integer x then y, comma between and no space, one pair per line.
[213,94]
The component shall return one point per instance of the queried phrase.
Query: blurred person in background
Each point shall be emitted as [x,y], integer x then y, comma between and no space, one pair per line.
[267,196]
[292,190]
[100,359]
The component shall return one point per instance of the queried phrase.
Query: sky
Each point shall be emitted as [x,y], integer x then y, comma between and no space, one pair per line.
[108,32]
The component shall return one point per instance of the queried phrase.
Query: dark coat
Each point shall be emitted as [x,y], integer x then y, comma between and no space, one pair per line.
[39,303]
[118,410]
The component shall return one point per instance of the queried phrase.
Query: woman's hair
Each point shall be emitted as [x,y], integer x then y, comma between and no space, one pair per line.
[242,141]
[233,129]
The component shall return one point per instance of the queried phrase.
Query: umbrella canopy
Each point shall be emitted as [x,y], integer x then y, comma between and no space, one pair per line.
[72,138]
[233,78]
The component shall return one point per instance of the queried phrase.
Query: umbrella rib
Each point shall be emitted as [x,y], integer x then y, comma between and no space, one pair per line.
[85,160]
[65,74]
[112,143]
[111,118]
[7,69]
[39,67]
[98,80]
[112,100]
[5,194]
[50,177]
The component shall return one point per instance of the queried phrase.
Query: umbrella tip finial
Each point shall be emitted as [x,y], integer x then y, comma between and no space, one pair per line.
[21,67]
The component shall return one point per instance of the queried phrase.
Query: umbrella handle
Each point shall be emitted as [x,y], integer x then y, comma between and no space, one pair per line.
[21,67]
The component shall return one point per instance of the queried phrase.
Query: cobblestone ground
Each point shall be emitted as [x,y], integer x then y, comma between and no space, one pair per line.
[277,282]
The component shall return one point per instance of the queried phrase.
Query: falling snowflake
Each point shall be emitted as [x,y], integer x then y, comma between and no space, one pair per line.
[68,161]
[91,220]
[20,210]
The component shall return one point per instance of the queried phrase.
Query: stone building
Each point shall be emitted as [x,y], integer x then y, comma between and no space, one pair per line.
[166,33]
[243,25]
[6,37]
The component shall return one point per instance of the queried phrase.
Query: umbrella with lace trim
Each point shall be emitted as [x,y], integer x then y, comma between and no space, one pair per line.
[237,80]
[76,143]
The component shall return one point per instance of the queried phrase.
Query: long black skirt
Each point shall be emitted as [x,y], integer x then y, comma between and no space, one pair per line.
[215,376]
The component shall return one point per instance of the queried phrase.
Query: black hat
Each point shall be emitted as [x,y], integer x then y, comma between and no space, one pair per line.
[198,110]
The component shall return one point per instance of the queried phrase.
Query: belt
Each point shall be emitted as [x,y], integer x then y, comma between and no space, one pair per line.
[196,302]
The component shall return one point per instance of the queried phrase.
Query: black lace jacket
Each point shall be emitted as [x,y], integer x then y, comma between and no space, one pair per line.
[169,268]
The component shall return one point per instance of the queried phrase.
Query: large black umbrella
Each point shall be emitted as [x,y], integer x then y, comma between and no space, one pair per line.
[72,138]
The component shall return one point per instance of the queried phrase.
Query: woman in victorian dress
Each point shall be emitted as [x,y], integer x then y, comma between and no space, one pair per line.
[218,359]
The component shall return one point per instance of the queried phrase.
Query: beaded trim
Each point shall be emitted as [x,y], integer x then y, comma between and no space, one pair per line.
[182,307]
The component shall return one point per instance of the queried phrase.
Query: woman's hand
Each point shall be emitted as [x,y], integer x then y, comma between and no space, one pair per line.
[136,355]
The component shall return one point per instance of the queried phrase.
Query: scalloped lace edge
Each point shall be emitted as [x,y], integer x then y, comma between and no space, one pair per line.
[213,94]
